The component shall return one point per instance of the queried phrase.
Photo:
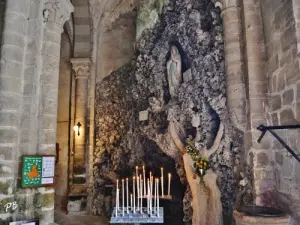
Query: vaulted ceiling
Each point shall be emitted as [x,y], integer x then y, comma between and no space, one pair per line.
[92,18]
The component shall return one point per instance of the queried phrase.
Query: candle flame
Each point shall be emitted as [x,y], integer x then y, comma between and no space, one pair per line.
[126,179]
[134,177]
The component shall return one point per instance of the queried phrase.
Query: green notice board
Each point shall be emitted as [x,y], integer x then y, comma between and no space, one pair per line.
[38,171]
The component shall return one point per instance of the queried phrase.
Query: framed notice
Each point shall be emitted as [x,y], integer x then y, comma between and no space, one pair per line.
[38,171]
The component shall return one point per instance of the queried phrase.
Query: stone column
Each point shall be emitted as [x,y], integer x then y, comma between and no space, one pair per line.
[260,154]
[233,37]
[91,138]
[55,14]
[81,67]
[11,80]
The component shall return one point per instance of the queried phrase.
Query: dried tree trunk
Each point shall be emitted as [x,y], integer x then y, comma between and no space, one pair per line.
[206,203]
[200,196]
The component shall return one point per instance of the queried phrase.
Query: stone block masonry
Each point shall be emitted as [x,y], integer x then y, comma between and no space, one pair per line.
[282,38]
[10,99]
[29,60]
[267,45]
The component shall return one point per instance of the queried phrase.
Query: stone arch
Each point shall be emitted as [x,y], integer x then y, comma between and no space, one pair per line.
[82,29]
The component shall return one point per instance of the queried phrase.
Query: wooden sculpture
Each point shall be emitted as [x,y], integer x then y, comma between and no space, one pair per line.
[206,203]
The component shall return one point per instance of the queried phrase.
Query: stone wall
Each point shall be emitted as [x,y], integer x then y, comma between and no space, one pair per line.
[30,52]
[282,69]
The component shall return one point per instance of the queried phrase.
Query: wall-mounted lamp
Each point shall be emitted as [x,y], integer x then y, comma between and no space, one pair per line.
[77,128]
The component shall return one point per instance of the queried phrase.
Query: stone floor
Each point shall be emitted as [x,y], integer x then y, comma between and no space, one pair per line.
[61,218]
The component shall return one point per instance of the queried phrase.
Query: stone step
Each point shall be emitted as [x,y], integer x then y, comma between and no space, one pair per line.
[77,205]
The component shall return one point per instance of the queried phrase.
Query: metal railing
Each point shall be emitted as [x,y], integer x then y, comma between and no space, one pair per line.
[271,129]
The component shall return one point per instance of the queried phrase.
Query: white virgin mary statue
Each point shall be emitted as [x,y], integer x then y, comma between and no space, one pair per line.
[174,71]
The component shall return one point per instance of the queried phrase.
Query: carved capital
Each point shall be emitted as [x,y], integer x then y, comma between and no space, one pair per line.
[225,4]
[81,67]
[57,11]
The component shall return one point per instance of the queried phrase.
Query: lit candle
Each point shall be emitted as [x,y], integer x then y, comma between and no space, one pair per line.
[151,184]
[155,194]
[148,196]
[162,181]
[138,191]
[127,195]
[117,192]
[118,195]
[117,203]
[151,192]
[169,184]
[137,185]
[131,205]
[133,184]
[123,197]
[158,197]
[144,177]
[141,191]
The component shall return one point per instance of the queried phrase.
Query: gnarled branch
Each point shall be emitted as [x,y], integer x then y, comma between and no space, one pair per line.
[216,144]
[178,142]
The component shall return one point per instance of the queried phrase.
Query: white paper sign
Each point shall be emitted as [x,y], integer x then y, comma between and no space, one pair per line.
[143,115]
[22,223]
[47,180]
[48,166]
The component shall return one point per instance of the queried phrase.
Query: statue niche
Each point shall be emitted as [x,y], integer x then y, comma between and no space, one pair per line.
[174,71]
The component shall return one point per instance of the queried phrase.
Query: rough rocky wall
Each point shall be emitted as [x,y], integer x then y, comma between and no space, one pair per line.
[122,141]
[284,85]
[148,14]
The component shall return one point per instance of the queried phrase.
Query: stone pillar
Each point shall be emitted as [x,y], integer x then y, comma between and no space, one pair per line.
[260,154]
[30,54]
[233,37]
[55,14]
[81,67]
[11,80]
[91,138]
